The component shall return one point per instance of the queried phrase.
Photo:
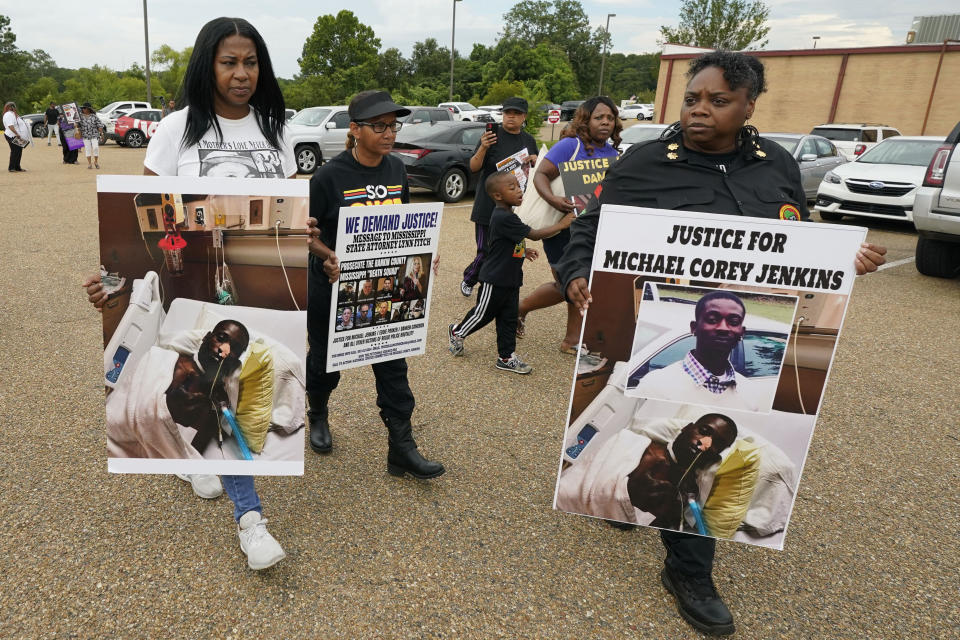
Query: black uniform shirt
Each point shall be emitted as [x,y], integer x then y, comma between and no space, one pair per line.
[761,181]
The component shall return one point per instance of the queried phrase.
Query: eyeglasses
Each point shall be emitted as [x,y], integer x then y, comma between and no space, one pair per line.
[380,127]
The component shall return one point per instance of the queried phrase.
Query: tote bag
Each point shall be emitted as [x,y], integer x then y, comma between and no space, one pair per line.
[534,210]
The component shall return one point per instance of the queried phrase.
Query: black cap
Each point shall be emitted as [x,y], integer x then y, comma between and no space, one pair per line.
[86,105]
[375,103]
[517,104]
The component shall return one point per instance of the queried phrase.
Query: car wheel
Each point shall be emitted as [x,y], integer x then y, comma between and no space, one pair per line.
[308,157]
[938,258]
[640,116]
[39,130]
[134,139]
[830,216]
[103,137]
[466,120]
[453,185]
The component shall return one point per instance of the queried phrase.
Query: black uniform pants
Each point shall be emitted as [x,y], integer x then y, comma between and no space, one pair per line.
[15,153]
[394,397]
[472,272]
[688,554]
[494,303]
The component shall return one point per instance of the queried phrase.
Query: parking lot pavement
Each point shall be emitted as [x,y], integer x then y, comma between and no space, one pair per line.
[478,553]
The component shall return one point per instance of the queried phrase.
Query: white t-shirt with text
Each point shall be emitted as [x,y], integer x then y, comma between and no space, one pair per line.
[242,153]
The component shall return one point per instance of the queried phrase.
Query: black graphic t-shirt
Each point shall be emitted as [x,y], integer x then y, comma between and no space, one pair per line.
[507,144]
[506,249]
[344,182]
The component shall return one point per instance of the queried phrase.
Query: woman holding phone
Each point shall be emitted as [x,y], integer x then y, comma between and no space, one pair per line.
[233,104]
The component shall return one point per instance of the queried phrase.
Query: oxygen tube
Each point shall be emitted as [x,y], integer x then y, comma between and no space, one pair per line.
[232,421]
[691,501]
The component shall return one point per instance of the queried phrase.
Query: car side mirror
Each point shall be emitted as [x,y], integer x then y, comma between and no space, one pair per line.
[808,157]
[330,125]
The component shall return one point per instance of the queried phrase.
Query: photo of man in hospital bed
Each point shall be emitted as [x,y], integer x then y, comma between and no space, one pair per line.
[207,387]
[730,475]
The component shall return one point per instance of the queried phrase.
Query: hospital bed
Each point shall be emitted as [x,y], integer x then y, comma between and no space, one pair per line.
[145,324]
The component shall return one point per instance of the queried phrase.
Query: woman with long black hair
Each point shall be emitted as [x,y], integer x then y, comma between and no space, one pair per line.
[234,109]
[594,132]
[366,166]
[709,161]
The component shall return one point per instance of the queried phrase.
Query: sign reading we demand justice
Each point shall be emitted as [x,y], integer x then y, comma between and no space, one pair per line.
[385,286]
[716,334]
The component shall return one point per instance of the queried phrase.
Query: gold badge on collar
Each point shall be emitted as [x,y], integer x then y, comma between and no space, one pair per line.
[673,146]
[760,154]
[672,156]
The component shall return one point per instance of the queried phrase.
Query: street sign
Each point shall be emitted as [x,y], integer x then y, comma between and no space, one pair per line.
[554,116]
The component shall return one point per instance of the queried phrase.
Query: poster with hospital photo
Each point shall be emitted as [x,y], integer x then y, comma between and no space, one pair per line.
[707,349]
[204,329]
[386,253]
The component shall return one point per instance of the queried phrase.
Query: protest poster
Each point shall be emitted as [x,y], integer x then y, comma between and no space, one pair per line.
[519,165]
[204,338]
[709,344]
[385,285]
[70,112]
[580,179]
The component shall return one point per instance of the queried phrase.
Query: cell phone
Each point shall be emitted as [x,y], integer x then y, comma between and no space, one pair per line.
[493,127]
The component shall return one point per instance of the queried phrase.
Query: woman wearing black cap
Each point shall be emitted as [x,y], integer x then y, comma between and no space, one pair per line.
[366,165]
[709,161]
[90,130]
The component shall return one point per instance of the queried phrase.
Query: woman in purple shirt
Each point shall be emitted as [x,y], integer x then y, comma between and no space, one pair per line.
[594,127]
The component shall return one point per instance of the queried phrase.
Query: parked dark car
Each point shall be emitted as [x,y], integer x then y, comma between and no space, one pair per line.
[38,124]
[437,156]
[426,114]
[568,108]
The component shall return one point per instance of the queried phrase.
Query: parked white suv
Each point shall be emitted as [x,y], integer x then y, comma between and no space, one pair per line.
[317,134]
[853,139]
[936,212]
[466,112]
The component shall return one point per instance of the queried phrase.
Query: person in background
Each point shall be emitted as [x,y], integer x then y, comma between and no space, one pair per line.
[168,108]
[90,130]
[50,117]
[17,133]
[509,140]
[233,104]
[66,129]
[594,127]
[734,171]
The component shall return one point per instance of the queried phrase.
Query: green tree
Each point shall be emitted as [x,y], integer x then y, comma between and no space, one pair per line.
[393,70]
[564,24]
[734,25]
[168,68]
[430,62]
[13,63]
[338,43]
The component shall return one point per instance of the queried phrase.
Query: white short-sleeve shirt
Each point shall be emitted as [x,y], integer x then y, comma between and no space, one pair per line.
[243,152]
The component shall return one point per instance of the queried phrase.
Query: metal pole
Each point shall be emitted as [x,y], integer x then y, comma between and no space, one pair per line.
[453,32]
[146,47]
[603,60]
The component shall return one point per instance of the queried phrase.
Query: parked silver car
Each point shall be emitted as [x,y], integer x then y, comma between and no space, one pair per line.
[936,212]
[318,134]
[815,154]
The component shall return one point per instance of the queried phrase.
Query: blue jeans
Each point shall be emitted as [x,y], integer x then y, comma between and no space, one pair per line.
[240,489]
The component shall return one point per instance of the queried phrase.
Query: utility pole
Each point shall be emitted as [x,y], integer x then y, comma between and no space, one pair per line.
[146,47]
[453,33]
[603,60]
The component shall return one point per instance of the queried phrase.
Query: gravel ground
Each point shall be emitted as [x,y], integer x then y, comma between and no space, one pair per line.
[478,553]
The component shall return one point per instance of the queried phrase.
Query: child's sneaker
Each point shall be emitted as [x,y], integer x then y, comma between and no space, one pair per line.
[456,342]
[466,289]
[514,364]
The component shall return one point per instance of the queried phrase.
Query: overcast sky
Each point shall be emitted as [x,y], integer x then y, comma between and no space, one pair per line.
[110,32]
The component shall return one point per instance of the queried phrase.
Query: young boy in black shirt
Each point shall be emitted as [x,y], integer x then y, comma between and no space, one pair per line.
[502,273]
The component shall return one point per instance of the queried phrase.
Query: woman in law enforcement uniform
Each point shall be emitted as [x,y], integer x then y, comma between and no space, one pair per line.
[709,161]
[365,167]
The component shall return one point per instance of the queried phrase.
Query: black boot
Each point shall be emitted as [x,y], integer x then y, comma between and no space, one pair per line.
[403,456]
[698,602]
[320,440]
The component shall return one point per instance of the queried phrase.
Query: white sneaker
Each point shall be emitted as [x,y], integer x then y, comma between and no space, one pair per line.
[262,549]
[204,486]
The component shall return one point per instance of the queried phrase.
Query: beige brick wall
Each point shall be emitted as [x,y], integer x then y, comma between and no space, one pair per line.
[886,88]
